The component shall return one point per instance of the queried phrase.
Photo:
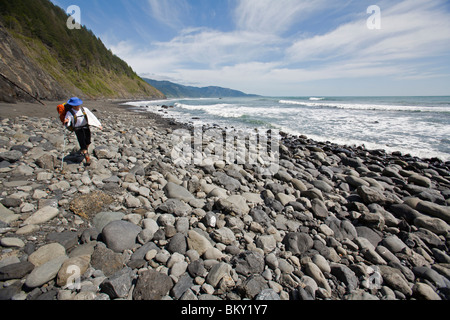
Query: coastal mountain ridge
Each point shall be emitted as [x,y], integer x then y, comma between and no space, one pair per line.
[42,58]
[174,90]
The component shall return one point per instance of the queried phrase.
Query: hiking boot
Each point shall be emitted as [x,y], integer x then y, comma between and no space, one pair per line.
[88,159]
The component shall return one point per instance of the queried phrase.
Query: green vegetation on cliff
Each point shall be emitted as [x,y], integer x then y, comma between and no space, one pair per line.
[174,90]
[76,59]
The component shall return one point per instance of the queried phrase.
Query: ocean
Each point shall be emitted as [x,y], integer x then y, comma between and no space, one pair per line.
[419,126]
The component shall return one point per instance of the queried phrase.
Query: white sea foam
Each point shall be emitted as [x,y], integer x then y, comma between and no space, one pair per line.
[414,147]
[419,129]
[233,110]
[151,102]
[357,106]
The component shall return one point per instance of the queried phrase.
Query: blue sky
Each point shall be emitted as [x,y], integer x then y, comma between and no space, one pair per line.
[281,47]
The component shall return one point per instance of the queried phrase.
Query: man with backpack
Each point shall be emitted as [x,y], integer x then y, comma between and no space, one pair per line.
[78,119]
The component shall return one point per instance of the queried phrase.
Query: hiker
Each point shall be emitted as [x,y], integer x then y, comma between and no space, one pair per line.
[79,119]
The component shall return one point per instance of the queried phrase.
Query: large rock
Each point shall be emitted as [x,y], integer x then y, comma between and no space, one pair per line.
[346,275]
[198,242]
[423,291]
[435,225]
[248,263]
[343,229]
[16,270]
[42,215]
[106,260]
[235,204]
[118,285]
[47,161]
[394,244]
[253,286]
[267,243]
[7,215]
[44,273]
[284,198]
[314,272]
[373,237]
[395,280]
[268,295]
[427,273]
[299,185]
[420,180]
[102,219]
[405,211]
[229,183]
[152,285]
[68,239]
[174,191]
[87,206]
[217,272]
[178,244]
[11,156]
[104,152]
[319,209]
[185,282]
[46,253]
[176,207]
[356,181]
[298,243]
[224,235]
[434,210]
[120,235]
[371,195]
[72,270]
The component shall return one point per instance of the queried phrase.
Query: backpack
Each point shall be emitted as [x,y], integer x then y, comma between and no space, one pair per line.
[63,109]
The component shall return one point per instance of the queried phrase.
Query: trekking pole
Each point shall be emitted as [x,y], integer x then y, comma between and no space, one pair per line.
[64,149]
[19,87]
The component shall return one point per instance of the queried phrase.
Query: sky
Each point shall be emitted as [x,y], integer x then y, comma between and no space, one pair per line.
[281,47]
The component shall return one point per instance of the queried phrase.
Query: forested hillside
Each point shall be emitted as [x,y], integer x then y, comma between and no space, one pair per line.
[42,55]
[174,90]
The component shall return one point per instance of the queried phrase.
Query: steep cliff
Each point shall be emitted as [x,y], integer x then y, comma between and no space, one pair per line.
[43,57]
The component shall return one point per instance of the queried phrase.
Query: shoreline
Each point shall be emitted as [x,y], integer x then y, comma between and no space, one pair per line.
[334,223]
[350,142]
[29,109]
[324,142]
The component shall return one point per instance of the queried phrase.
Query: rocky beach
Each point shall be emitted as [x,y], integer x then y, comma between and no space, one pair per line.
[334,223]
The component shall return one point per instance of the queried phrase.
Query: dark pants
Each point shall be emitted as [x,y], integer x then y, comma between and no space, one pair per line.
[84,137]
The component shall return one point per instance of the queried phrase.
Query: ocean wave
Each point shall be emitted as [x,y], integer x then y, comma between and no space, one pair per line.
[316,99]
[424,151]
[356,106]
[223,110]
[235,110]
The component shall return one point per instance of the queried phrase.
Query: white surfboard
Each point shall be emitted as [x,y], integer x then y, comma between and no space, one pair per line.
[92,119]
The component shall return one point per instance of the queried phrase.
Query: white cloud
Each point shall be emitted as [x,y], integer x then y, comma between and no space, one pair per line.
[255,57]
[212,48]
[269,16]
[410,30]
[169,12]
